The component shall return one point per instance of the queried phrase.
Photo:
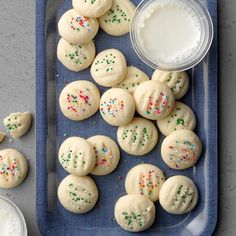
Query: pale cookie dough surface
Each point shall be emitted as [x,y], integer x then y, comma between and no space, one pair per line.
[181,149]
[154,100]
[117,20]
[181,117]
[178,82]
[134,212]
[77,156]
[75,57]
[109,67]
[92,8]
[107,154]
[79,100]
[78,194]
[138,137]
[18,123]
[77,29]
[145,179]
[13,168]
[117,107]
[178,195]
[133,78]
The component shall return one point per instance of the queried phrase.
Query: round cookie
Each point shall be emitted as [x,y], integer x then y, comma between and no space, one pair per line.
[181,117]
[134,212]
[133,78]
[117,107]
[13,168]
[154,100]
[178,82]
[77,156]
[138,137]
[178,195]
[117,20]
[75,57]
[145,179]
[107,154]
[77,29]
[79,100]
[181,149]
[91,8]
[78,194]
[109,67]
[18,123]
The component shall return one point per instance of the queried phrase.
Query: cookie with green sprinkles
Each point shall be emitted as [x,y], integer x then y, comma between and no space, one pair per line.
[134,212]
[18,124]
[77,29]
[133,78]
[181,117]
[92,8]
[178,195]
[178,82]
[13,168]
[116,21]
[154,100]
[75,57]
[181,149]
[138,137]
[109,67]
[77,194]
[145,179]
[77,156]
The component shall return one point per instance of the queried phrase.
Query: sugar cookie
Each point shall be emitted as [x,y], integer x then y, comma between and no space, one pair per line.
[178,82]
[181,117]
[79,100]
[75,57]
[117,107]
[138,137]
[109,67]
[77,156]
[77,29]
[133,78]
[78,194]
[13,168]
[153,100]
[178,195]
[134,212]
[181,149]
[117,20]
[18,123]
[145,179]
[91,8]
[107,154]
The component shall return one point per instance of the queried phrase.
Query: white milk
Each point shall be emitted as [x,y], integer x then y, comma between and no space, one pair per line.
[169,31]
[10,220]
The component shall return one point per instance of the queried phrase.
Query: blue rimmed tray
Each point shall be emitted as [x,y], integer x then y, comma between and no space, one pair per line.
[52,126]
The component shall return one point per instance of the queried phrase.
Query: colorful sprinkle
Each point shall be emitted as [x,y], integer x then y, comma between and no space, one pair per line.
[79,22]
[103,156]
[112,106]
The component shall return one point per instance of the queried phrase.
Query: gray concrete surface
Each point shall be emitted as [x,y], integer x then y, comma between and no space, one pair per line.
[17,93]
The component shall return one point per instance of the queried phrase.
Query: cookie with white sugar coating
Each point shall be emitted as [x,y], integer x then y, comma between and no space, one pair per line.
[117,107]
[181,149]
[75,57]
[77,29]
[116,21]
[134,212]
[18,123]
[13,168]
[78,194]
[178,195]
[109,67]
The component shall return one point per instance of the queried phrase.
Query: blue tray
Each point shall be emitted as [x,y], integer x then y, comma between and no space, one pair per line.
[51,127]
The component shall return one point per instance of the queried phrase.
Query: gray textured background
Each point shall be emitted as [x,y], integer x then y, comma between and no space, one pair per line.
[17,93]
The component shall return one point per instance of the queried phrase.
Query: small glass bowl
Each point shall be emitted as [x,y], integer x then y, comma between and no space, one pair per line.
[193,59]
[19,215]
